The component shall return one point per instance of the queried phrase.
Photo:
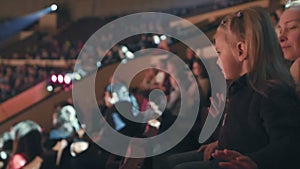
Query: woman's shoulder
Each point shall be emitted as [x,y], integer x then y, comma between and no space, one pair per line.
[279,88]
[281,92]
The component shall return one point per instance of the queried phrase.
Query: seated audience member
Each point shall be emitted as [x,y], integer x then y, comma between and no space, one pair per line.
[6,145]
[65,123]
[289,37]
[261,118]
[162,80]
[190,57]
[27,147]
[148,82]
[203,82]
[85,153]
[65,128]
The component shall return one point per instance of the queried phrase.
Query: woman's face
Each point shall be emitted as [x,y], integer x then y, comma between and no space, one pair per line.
[231,66]
[289,33]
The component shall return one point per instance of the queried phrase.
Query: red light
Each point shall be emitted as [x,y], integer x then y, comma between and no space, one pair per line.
[60,79]
[53,78]
[67,79]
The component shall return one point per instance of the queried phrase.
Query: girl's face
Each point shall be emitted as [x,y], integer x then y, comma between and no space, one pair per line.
[289,33]
[231,66]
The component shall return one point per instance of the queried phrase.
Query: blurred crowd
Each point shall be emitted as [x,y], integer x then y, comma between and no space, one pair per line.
[67,146]
[68,48]
[15,78]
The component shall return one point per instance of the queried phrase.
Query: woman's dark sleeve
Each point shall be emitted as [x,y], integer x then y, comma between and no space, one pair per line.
[280,114]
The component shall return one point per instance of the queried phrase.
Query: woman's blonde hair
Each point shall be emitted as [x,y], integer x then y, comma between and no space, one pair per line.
[254,27]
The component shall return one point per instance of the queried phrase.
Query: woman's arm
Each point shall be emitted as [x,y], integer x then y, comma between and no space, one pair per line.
[280,114]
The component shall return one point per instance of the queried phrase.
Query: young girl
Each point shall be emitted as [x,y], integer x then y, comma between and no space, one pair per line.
[261,119]
[261,124]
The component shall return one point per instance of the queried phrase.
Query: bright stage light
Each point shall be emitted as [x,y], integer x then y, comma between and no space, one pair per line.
[129,55]
[156,39]
[60,78]
[53,7]
[77,76]
[163,37]
[50,88]
[124,49]
[54,78]
[67,79]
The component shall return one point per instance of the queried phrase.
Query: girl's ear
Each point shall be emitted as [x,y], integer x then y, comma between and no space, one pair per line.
[242,50]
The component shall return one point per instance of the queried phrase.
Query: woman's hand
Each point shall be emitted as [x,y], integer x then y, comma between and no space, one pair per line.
[234,160]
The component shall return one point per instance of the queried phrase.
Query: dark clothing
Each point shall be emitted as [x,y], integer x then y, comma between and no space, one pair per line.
[265,128]
[184,158]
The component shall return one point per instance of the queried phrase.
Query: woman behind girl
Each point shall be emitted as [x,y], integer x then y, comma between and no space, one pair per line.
[289,37]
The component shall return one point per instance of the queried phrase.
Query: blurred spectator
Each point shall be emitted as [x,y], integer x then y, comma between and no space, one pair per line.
[6,146]
[201,76]
[27,147]
[149,79]
[190,57]
[65,122]
[15,79]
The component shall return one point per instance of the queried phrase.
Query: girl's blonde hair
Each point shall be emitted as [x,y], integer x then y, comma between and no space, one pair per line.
[254,27]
